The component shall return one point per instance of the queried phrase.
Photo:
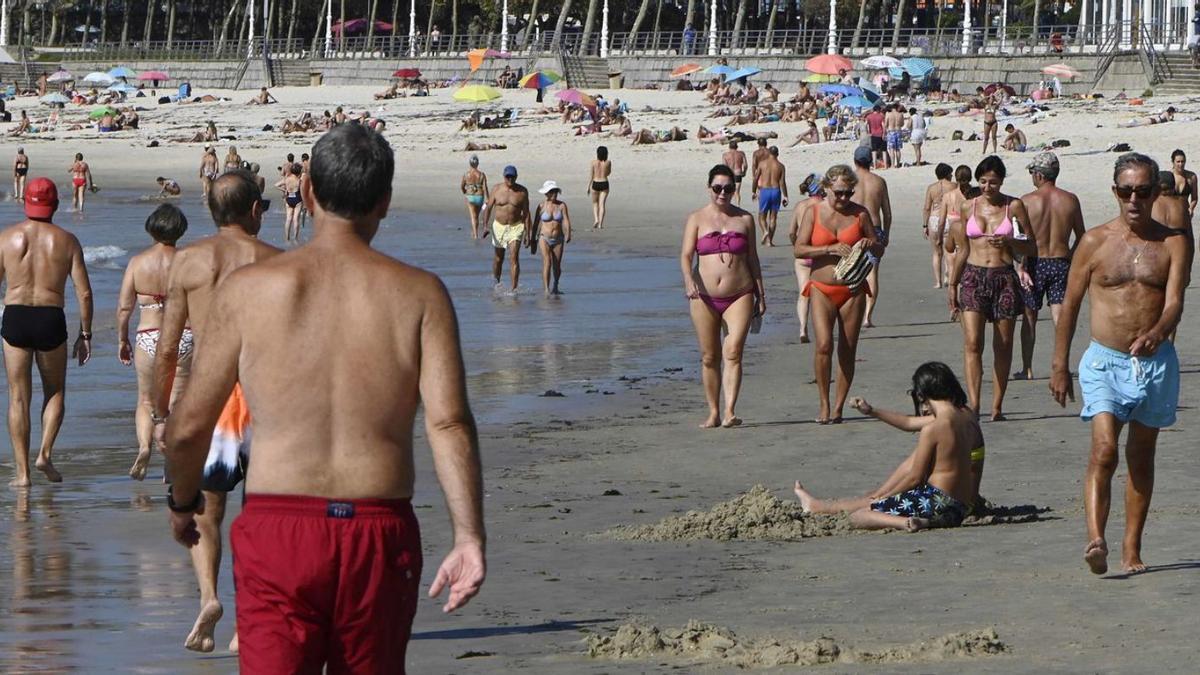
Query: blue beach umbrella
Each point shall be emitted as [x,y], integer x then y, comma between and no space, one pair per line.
[123,88]
[121,71]
[856,102]
[917,67]
[54,98]
[744,72]
[719,69]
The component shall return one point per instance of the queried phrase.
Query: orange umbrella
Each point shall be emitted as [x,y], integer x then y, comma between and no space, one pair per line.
[686,69]
[476,57]
[828,64]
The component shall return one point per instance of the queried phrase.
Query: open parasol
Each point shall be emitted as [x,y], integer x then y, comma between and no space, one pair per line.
[476,93]
[686,69]
[828,64]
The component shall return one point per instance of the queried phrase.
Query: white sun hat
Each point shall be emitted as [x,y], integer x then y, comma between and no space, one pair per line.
[549,186]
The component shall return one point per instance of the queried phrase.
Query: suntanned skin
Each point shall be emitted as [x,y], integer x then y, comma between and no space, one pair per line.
[20,161]
[872,194]
[755,158]
[735,159]
[352,435]
[508,204]
[1054,216]
[934,207]
[893,121]
[1135,270]
[771,174]
[942,459]
[1014,139]
[80,170]
[36,259]
[208,167]
[195,273]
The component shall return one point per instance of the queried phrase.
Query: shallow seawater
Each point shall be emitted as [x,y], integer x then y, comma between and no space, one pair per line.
[91,580]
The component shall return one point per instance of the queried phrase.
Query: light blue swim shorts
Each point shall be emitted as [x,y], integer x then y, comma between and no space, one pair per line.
[1144,389]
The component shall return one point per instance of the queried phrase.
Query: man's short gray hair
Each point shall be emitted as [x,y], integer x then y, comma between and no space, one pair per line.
[1131,160]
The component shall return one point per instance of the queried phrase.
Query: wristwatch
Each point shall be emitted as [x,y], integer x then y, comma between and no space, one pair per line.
[190,507]
[85,335]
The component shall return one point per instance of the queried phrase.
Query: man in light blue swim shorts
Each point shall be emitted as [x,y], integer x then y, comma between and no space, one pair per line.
[1135,269]
[770,183]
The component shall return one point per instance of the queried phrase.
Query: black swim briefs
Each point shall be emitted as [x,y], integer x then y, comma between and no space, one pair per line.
[42,329]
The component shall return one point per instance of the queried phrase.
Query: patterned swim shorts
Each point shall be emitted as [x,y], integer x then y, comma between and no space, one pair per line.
[994,292]
[924,501]
[1049,281]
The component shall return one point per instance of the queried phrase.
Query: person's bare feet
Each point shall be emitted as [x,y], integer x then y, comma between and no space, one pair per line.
[808,503]
[731,421]
[917,524]
[20,482]
[823,414]
[233,644]
[937,285]
[712,421]
[201,637]
[998,416]
[867,323]
[1132,563]
[45,466]
[138,470]
[1096,556]
[804,339]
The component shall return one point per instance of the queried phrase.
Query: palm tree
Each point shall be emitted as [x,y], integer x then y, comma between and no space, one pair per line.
[149,22]
[291,29]
[103,20]
[170,23]
[737,24]
[899,22]
[771,24]
[587,28]
[637,21]
[533,17]
[862,8]
[371,24]
[691,13]
[1037,11]
[432,12]
[558,27]
[124,22]
[342,27]
[233,8]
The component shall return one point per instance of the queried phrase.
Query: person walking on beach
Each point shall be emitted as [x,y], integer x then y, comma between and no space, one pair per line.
[875,129]
[81,181]
[760,153]
[770,183]
[953,205]
[919,129]
[1054,216]
[990,289]
[893,124]
[1185,181]
[475,191]
[872,194]
[290,186]
[236,206]
[144,286]
[938,483]
[554,233]
[20,172]
[208,170]
[722,280]
[1135,270]
[828,231]
[814,190]
[935,199]
[328,510]
[990,124]
[598,187]
[36,259]
[512,224]
[735,159]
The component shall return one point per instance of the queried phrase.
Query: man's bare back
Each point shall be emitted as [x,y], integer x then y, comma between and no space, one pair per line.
[736,160]
[1054,214]
[37,259]
[872,194]
[770,173]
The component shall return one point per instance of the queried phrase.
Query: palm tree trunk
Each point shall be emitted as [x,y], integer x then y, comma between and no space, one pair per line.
[637,21]
[454,23]
[170,23]
[429,23]
[587,28]
[320,28]
[899,22]
[771,24]
[558,27]
[371,24]
[862,8]
[291,27]
[233,8]
[395,17]
[342,31]
[103,20]
[533,17]
[124,23]
[1037,11]
[737,24]
[691,13]
[149,22]
[87,22]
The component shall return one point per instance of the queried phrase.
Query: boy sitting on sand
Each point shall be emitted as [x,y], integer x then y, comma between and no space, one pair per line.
[935,484]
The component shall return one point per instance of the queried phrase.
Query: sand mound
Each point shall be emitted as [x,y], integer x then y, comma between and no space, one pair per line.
[705,642]
[755,515]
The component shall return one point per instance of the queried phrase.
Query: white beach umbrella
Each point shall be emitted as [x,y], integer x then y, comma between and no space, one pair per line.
[99,78]
[879,62]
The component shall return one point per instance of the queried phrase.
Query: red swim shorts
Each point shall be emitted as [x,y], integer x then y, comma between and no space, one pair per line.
[325,582]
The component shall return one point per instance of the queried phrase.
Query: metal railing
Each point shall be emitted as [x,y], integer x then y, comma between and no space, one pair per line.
[948,41]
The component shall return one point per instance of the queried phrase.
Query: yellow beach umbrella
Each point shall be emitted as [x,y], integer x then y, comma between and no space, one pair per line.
[477,93]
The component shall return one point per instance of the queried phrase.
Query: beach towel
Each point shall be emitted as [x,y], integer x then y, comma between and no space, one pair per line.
[230,449]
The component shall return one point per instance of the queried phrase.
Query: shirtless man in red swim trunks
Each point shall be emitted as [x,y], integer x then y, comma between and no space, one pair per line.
[81,178]
[236,206]
[327,556]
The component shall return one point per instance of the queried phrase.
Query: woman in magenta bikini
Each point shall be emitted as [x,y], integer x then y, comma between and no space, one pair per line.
[827,233]
[984,284]
[723,282]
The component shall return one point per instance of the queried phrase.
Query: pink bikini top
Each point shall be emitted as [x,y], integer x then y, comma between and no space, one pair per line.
[1005,229]
[733,243]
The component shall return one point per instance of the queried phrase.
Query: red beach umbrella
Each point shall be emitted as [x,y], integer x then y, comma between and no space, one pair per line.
[154,75]
[407,73]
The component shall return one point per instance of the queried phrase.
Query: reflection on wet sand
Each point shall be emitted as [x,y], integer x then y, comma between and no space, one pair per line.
[40,581]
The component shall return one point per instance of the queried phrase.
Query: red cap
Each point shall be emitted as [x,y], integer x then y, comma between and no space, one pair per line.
[41,198]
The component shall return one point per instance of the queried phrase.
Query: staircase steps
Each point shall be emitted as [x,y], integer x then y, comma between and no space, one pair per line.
[585,72]
[1184,78]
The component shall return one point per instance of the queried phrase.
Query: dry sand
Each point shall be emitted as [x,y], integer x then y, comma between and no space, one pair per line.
[549,581]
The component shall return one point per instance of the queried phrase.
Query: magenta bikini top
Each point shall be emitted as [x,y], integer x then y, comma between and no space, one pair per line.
[715,242]
[1005,229]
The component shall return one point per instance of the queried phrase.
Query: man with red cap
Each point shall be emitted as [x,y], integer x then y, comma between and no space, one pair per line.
[36,257]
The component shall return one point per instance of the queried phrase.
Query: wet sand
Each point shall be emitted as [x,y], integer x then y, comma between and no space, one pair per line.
[96,583]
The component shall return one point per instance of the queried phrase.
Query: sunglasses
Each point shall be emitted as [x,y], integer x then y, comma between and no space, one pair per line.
[727,188]
[1124,192]
[843,193]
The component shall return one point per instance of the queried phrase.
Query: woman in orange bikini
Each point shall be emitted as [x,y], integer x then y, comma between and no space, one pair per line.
[990,287]
[724,285]
[827,233]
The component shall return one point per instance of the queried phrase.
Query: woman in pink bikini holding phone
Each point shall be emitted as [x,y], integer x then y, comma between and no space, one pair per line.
[723,282]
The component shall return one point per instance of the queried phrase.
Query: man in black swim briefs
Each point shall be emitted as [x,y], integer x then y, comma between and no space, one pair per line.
[36,257]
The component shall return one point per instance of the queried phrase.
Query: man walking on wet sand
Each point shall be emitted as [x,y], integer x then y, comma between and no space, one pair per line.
[36,258]
[237,208]
[735,159]
[770,185]
[1135,270]
[872,194]
[1054,215]
[327,556]
[512,224]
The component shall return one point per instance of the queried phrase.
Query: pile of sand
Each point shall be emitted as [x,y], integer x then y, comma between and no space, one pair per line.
[705,642]
[755,515]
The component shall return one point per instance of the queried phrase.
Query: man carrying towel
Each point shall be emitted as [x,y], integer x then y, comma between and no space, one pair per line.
[36,258]
[512,224]
[327,555]
[1135,270]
